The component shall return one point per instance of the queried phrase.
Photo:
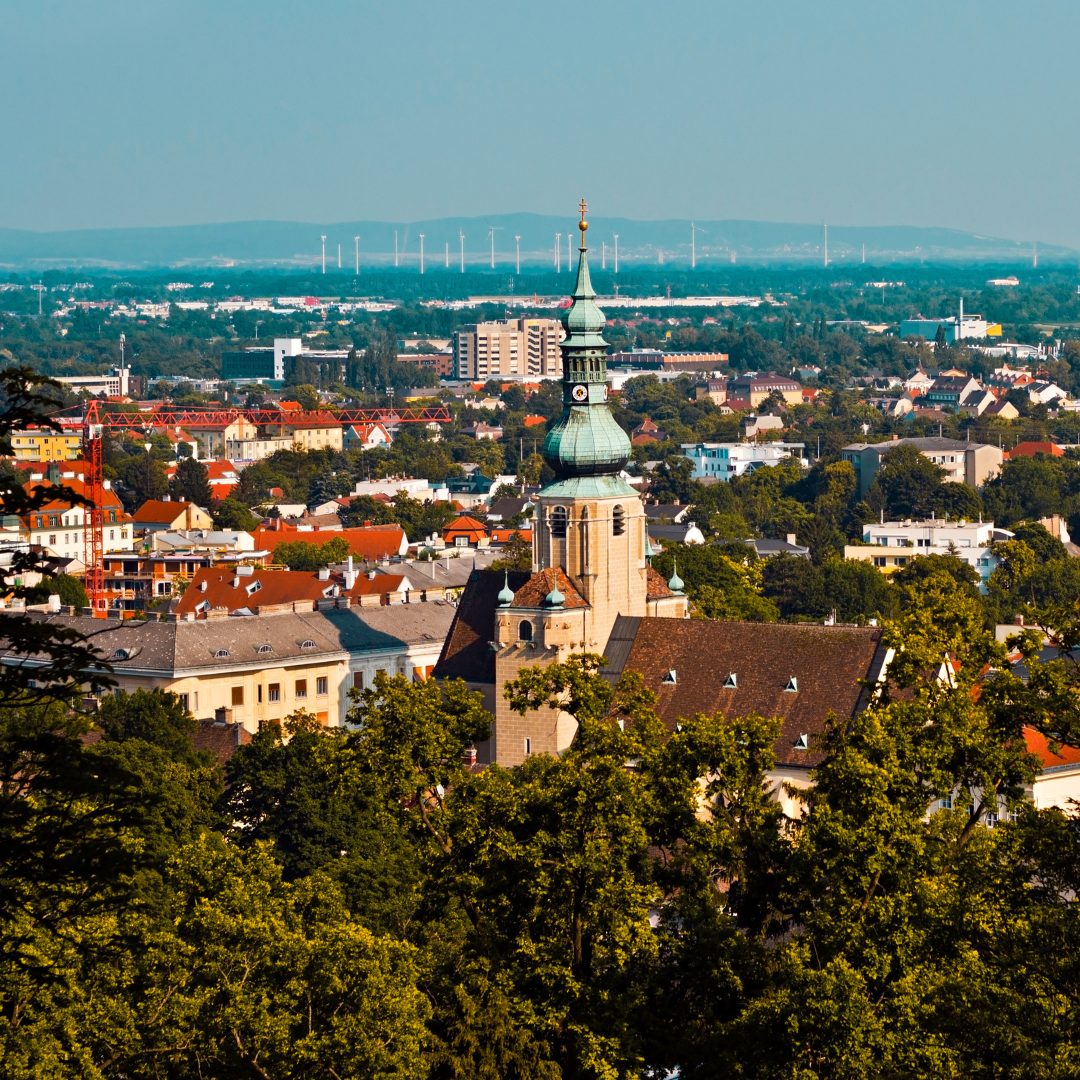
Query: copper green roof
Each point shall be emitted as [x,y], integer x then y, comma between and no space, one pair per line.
[586,440]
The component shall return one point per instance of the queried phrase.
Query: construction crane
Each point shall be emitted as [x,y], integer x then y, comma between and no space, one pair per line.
[98,417]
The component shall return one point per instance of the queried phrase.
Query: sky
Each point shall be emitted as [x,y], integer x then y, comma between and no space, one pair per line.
[953,114]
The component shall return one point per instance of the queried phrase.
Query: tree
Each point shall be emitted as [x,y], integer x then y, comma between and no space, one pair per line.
[505,491]
[907,484]
[723,583]
[516,555]
[301,555]
[192,483]
[530,469]
[308,397]
[231,514]
[70,590]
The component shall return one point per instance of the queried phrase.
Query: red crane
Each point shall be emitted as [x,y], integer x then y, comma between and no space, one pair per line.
[100,416]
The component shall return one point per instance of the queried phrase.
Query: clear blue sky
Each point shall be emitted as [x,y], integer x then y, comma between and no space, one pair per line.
[152,113]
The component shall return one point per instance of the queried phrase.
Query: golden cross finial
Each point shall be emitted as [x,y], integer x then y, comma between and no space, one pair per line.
[583,224]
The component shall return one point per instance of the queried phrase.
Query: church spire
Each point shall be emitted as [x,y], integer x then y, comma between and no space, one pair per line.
[586,440]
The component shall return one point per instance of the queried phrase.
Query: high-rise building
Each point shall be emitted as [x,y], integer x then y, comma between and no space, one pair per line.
[518,347]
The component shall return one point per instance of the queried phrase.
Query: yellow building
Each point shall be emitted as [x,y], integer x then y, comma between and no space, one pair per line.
[44,444]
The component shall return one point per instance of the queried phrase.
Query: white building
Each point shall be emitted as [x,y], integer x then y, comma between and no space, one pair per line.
[891,544]
[725,461]
[115,384]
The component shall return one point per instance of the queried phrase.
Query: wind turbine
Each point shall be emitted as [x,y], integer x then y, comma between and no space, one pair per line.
[461,237]
[616,253]
[491,232]
[517,254]
[694,230]
[421,253]
[357,240]
[323,254]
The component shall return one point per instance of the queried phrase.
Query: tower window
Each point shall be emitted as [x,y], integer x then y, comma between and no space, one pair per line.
[525,630]
[618,521]
[558,523]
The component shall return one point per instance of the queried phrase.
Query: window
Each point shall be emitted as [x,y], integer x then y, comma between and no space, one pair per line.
[731,682]
[237,695]
[525,630]
[618,521]
[221,654]
[112,534]
[321,684]
[254,587]
[558,523]
[946,803]
[309,644]
[357,681]
[461,541]
[265,649]
[792,686]
[52,540]
[121,654]
[301,688]
[880,560]
[528,747]
[196,699]
[54,520]
[273,692]
[183,701]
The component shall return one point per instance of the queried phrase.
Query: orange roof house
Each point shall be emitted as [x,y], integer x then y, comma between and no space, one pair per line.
[369,544]
[465,531]
[504,536]
[156,515]
[533,420]
[1030,449]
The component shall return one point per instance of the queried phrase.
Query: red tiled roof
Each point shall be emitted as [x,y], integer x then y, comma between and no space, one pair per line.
[465,526]
[655,585]
[369,543]
[504,536]
[157,512]
[1038,744]
[1030,449]
[533,593]
[109,498]
[534,421]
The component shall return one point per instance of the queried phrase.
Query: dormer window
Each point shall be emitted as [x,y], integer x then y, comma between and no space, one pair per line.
[792,686]
[121,654]
[309,644]
[670,679]
[265,649]
[802,742]
[221,654]
[731,682]
[254,587]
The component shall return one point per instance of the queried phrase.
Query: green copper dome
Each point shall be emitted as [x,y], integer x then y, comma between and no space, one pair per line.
[586,440]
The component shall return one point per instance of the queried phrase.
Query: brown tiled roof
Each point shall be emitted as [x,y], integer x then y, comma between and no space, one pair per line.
[532,594]
[156,512]
[655,585]
[466,653]
[827,663]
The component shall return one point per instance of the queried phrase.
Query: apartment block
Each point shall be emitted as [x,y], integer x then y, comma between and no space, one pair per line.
[508,347]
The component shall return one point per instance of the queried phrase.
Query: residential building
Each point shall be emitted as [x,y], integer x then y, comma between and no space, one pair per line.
[977,402]
[1030,449]
[44,444]
[948,392]
[758,388]
[220,475]
[370,543]
[483,431]
[441,363]
[518,347]
[217,438]
[725,461]
[165,515]
[716,390]
[892,406]
[656,360]
[766,548]
[890,545]
[59,527]
[755,425]
[964,462]
[1002,409]
[1045,393]
[365,437]
[685,532]
[465,532]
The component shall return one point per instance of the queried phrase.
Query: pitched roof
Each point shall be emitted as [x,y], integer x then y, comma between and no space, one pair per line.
[370,543]
[465,526]
[109,497]
[504,536]
[655,585]
[534,592]
[1031,448]
[1038,744]
[466,653]
[827,663]
[159,512]
[220,739]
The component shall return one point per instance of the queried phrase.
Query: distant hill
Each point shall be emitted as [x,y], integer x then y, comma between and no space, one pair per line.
[284,244]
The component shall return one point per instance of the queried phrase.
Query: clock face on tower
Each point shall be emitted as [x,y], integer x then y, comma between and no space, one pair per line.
[580,393]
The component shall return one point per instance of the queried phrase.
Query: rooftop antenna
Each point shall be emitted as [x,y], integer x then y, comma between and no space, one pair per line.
[491,232]
[616,253]
[356,239]
[825,228]
[517,254]
[421,253]
[323,254]
[461,237]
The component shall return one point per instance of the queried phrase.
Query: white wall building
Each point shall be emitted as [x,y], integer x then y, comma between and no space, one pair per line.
[725,461]
[890,544]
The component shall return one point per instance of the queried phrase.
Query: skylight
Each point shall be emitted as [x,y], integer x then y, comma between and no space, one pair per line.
[731,682]
[792,685]
[670,679]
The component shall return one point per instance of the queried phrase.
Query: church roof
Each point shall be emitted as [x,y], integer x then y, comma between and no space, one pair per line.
[655,585]
[798,672]
[467,653]
[532,594]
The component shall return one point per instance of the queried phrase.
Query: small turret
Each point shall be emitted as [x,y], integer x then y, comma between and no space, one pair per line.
[676,583]
[506,594]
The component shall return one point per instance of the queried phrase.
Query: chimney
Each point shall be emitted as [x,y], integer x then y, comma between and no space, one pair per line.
[1018,620]
[469,757]
[223,716]
[367,524]
[791,539]
[166,498]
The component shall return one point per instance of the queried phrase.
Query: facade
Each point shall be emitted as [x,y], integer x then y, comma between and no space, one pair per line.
[60,528]
[714,389]
[964,462]
[656,360]
[758,388]
[507,347]
[44,444]
[891,544]
[251,365]
[116,384]
[950,391]
[214,439]
[725,461]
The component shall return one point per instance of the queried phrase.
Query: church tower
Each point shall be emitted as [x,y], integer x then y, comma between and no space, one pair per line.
[590,545]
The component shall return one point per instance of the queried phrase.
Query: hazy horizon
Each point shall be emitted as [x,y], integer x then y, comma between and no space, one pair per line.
[128,115]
